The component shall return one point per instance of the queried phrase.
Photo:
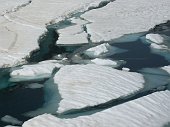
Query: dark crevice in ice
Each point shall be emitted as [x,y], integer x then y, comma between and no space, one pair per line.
[101,5]
[93,109]
[47,46]
[17,8]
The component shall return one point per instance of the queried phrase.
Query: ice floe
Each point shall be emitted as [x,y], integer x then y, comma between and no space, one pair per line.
[166,68]
[34,72]
[158,38]
[72,35]
[125,19]
[151,111]
[81,86]
[103,50]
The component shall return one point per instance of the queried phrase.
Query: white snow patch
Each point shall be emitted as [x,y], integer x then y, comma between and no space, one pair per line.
[88,85]
[103,50]
[125,69]
[148,111]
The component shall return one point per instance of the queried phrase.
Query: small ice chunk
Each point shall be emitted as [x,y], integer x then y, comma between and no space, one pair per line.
[125,69]
[11,120]
[105,62]
[32,72]
[34,86]
[103,50]
[166,68]
[159,47]
[157,38]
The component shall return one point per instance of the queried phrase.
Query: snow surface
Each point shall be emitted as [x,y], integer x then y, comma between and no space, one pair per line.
[126,19]
[14,40]
[148,111]
[88,85]
[10,5]
[72,35]
[103,50]
[34,72]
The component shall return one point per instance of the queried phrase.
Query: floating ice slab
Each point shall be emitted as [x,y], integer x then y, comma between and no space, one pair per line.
[148,111]
[105,62]
[158,38]
[69,37]
[88,85]
[125,19]
[103,50]
[166,68]
[33,72]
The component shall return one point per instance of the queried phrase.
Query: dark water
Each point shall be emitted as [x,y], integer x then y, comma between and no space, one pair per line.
[139,56]
[19,101]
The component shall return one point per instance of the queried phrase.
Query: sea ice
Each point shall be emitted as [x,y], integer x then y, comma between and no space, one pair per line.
[148,111]
[34,72]
[102,50]
[81,86]
[118,19]
[158,38]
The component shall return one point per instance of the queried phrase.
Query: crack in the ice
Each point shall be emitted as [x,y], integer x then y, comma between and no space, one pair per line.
[115,102]
[78,15]
[15,38]
[100,5]
[15,9]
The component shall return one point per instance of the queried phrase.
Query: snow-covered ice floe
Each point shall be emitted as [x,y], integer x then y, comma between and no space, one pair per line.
[158,38]
[158,41]
[103,50]
[34,72]
[126,19]
[72,35]
[148,111]
[81,86]
[166,68]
